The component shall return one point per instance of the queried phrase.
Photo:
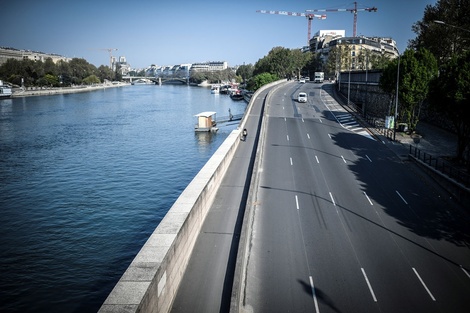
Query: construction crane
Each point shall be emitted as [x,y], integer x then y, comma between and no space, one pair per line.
[110,50]
[353,10]
[309,17]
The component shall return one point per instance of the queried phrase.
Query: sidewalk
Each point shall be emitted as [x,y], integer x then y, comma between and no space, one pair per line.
[433,140]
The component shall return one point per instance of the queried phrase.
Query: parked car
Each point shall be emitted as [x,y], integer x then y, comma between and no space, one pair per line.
[302,98]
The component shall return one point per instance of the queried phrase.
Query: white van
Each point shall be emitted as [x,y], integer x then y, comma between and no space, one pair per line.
[302,97]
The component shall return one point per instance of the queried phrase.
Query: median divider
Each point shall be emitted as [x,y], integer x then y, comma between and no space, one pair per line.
[151,281]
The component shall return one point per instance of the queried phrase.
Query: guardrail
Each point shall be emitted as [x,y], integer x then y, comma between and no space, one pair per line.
[442,166]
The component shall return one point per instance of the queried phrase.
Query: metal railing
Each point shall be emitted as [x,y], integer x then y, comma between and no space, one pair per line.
[442,166]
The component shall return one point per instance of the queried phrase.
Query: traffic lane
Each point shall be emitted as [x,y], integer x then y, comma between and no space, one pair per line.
[282,140]
[344,160]
[451,290]
[339,282]
[275,272]
[347,228]
[419,210]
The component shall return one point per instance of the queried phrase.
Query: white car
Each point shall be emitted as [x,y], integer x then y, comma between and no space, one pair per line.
[302,80]
[302,97]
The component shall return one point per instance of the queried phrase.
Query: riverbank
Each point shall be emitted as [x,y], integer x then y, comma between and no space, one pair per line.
[43,91]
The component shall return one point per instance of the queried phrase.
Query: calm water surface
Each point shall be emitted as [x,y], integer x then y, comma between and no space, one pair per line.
[85,179]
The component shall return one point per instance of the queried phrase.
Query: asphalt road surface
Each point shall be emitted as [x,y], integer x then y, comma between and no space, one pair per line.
[341,224]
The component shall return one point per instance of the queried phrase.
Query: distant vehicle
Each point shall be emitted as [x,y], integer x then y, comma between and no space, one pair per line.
[319,77]
[302,80]
[302,98]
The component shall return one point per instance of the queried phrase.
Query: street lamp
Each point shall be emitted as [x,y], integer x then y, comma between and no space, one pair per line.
[444,23]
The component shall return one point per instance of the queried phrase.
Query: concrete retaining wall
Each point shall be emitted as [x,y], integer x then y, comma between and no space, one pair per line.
[150,282]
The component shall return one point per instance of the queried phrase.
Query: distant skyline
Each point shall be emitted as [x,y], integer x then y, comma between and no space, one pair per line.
[182,31]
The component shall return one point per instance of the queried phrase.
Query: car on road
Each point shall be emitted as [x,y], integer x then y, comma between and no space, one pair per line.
[302,97]
[302,80]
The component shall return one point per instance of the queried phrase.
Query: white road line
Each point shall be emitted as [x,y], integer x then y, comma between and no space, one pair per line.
[463,269]
[308,136]
[317,159]
[332,200]
[285,119]
[343,159]
[401,197]
[369,285]
[329,136]
[291,161]
[368,158]
[303,120]
[368,198]
[321,120]
[424,285]
[283,108]
[317,310]
[297,202]
[287,137]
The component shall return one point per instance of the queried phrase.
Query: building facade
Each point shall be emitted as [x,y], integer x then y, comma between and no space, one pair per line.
[209,66]
[351,53]
[12,53]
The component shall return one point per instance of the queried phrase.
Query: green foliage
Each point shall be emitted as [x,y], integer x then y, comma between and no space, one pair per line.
[417,69]
[91,80]
[38,73]
[245,71]
[444,40]
[282,62]
[450,95]
[261,79]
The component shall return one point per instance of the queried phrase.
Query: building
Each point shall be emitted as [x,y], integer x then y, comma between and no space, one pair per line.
[209,66]
[122,65]
[356,52]
[12,53]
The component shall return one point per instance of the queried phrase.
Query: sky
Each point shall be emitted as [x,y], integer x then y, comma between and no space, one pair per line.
[173,32]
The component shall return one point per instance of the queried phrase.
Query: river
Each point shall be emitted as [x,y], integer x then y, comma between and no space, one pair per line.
[85,179]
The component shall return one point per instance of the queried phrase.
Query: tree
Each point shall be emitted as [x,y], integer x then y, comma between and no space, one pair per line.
[92,79]
[450,95]
[441,39]
[245,71]
[299,60]
[417,70]
[276,62]
[261,80]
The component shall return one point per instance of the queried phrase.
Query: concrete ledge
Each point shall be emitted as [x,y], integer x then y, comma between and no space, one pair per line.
[150,282]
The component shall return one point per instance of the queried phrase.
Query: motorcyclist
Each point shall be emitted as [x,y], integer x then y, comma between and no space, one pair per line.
[243,134]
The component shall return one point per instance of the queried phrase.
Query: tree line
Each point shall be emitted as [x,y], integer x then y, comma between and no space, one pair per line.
[435,69]
[61,74]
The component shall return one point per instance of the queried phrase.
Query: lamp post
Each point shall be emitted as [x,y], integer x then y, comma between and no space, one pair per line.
[396,102]
[453,26]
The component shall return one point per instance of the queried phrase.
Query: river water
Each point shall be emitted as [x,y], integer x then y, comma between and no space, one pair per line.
[84,180]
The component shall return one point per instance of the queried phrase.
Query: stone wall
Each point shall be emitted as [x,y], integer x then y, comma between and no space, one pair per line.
[373,102]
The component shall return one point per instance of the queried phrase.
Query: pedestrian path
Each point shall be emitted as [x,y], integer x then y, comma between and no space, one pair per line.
[344,118]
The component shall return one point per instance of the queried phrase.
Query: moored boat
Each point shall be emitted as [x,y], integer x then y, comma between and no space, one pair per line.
[5,90]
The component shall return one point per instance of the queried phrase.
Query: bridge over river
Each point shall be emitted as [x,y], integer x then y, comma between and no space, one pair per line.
[159,80]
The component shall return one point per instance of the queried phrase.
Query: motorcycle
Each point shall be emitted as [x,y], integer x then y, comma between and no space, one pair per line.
[243,135]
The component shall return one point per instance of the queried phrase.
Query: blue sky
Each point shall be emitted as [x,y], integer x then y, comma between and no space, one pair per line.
[188,31]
